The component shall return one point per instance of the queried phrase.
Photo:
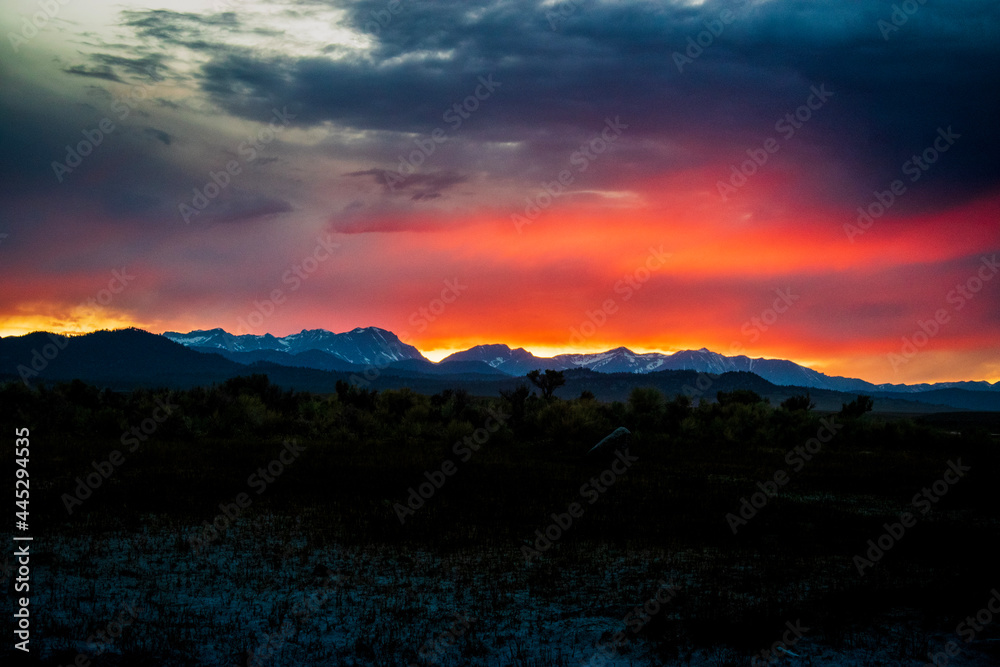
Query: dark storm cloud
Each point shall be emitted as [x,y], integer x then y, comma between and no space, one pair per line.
[123,188]
[557,87]
[890,95]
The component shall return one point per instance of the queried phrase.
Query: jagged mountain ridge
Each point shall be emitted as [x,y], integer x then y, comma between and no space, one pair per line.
[363,345]
[129,358]
[372,345]
[622,360]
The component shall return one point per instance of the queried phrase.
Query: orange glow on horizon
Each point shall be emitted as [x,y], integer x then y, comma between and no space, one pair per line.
[539,287]
[80,321]
[870,367]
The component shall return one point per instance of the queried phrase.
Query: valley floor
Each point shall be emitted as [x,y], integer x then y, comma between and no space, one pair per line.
[270,592]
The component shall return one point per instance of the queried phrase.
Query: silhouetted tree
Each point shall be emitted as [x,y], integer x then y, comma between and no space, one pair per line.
[857,407]
[739,397]
[461,401]
[798,402]
[645,401]
[350,394]
[675,411]
[548,383]
[516,398]
[517,395]
[645,405]
[398,401]
[438,400]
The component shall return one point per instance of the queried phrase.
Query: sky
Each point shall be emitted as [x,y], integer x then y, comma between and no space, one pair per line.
[809,180]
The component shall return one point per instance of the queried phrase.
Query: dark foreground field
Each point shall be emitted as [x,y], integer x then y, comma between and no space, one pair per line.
[244,525]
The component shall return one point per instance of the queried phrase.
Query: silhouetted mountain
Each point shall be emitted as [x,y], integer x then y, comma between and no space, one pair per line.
[131,358]
[504,359]
[364,347]
[969,400]
[367,345]
[118,359]
[623,360]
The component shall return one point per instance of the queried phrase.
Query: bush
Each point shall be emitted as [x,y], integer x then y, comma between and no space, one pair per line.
[801,402]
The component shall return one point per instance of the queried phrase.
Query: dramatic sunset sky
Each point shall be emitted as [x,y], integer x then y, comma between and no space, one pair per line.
[319,109]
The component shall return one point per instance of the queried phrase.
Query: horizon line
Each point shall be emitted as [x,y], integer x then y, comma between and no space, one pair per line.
[436,355]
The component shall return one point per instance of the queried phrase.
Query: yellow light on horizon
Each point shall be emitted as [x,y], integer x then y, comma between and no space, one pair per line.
[438,355]
[76,323]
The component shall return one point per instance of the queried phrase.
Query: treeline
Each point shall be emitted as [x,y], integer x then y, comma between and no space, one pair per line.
[365,449]
[253,407]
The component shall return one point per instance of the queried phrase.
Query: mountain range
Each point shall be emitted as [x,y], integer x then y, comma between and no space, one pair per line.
[315,360]
[373,346]
[369,345]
